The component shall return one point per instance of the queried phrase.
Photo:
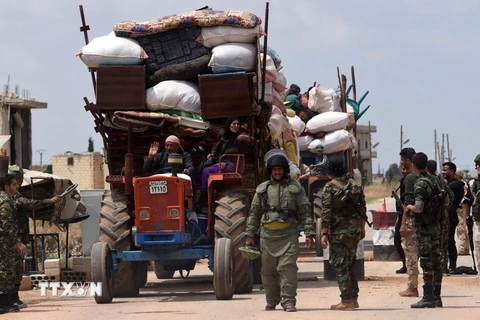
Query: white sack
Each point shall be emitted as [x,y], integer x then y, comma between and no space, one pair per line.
[328,122]
[213,36]
[303,142]
[297,124]
[280,82]
[323,99]
[231,57]
[111,50]
[277,124]
[332,142]
[174,94]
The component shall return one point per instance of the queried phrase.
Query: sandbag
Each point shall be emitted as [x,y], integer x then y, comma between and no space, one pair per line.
[280,82]
[327,122]
[174,94]
[332,142]
[213,36]
[297,124]
[277,124]
[111,50]
[303,142]
[269,92]
[231,57]
[272,53]
[270,69]
[323,100]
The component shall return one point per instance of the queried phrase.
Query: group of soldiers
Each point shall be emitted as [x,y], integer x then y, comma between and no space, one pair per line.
[429,208]
[14,236]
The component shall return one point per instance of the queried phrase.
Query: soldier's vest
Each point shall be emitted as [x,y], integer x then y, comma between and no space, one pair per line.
[339,203]
[434,205]
[278,213]
[475,189]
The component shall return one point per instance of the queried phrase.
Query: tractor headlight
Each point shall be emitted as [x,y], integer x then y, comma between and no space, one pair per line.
[174,213]
[143,214]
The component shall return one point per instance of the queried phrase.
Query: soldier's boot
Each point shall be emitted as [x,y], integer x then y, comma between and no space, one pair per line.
[437,290]
[5,306]
[355,303]
[410,292]
[344,305]
[14,299]
[427,300]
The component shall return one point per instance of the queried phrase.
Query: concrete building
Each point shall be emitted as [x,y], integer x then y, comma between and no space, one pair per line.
[365,150]
[16,120]
[86,169]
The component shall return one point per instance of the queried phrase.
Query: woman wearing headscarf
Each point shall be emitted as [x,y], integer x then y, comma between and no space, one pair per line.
[156,161]
[230,141]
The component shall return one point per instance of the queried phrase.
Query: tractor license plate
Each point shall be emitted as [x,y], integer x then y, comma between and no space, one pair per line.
[157,187]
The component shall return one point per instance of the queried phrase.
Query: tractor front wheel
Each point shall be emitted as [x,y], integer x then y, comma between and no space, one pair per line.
[102,272]
[223,269]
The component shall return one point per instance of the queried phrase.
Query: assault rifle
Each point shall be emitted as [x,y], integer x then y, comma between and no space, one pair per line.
[397,199]
[470,239]
[348,197]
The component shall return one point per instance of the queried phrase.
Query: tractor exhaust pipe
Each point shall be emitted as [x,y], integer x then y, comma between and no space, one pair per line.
[175,160]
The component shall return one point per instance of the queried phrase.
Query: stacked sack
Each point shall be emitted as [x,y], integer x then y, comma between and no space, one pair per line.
[329,127]
[176,49]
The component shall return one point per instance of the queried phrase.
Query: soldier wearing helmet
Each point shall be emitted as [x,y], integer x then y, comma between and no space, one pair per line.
[342,229]
[471,201]
[279,204]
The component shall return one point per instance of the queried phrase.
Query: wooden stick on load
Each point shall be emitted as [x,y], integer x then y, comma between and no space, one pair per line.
[264,62]
[84,28]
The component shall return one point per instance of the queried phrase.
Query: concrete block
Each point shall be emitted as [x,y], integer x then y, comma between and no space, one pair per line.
[37,278]
[52,272]
[26,283]
[81,264]
[52,264]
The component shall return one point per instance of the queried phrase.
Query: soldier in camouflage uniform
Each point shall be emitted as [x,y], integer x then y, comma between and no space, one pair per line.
[343,228]
[444,215]
[472,201]
[426,220]
[10,244]
[408,231]
[21,217]
[278,206]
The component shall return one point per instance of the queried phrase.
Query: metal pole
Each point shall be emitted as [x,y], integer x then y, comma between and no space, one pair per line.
[35,256]
[264,62]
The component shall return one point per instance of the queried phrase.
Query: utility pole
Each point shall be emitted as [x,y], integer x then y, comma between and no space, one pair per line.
[442,155]
[41,152]
[401,137]
[435,144]
[449,152]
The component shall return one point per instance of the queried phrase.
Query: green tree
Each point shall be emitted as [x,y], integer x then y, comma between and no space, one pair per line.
[90,145]
[48,169]
[393,174]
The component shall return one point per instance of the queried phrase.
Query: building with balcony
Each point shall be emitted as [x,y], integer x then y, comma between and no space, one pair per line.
[365,152]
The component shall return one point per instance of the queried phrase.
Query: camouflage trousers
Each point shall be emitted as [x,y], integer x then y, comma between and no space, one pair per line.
[461,238]
[7,266]
[280,250]
[409,245]
[430,256]
[343,249]
[476,242]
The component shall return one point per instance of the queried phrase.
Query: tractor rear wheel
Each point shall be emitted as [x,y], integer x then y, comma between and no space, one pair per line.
[223,269]
[115,226]
[160,271]
[125,284]
[101,265]
[231,211]
[317,212]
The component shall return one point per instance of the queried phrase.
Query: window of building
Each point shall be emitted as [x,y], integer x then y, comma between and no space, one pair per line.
[70,161]
[366,144]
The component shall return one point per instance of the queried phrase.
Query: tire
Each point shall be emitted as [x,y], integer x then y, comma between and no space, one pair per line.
[141,273]
[231,212]
[125,284]
[115,221]
[223,269]
[318,238]
[160,271]
[101,265]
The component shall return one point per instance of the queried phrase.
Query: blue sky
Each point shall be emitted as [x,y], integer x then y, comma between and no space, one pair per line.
[418,59]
